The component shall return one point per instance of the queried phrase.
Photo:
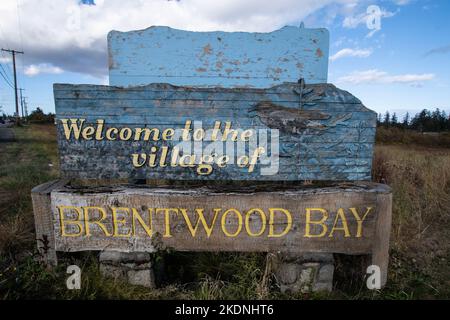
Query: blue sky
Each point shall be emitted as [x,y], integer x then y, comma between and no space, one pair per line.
[404,66]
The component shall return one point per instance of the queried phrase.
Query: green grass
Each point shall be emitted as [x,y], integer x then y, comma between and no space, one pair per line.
[419,257]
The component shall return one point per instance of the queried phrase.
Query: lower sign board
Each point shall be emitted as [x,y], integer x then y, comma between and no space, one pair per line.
[351,219]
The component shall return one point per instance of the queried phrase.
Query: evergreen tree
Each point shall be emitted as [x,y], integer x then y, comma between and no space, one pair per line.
[379,119]
[394,120]
[387,119]
[405,123]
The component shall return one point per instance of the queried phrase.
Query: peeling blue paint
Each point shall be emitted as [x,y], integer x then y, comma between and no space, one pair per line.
[221,59]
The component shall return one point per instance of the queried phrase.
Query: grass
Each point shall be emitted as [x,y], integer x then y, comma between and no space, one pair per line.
[419,258]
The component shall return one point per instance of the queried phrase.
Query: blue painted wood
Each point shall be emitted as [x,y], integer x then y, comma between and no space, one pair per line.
[225,59]
[325,133]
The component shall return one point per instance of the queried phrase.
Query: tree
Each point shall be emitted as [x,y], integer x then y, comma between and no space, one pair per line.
[430,121]
[405,123]
[379,119]
[394,120]
[38,115]
[387,119]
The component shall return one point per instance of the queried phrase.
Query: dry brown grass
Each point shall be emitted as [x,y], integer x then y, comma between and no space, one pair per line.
[420,179]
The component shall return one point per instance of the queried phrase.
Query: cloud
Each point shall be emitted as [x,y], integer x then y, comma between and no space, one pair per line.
[439,50]
[348,52]
[34,70]
[72,36]
[375,76]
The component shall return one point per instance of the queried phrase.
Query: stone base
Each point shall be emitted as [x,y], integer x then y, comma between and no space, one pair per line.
[134,268]
[309,272]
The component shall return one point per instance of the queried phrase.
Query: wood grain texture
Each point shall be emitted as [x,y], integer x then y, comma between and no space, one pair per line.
[226,59]
[380,251]
[325,133]
[295,200]
[43,220]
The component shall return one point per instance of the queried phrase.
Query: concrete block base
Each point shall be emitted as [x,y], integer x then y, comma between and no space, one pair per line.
[134,267]
[310,272]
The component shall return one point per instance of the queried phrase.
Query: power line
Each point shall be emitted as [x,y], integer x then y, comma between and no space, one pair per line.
[14,52]
[7,64]
[6,80]
[6,74]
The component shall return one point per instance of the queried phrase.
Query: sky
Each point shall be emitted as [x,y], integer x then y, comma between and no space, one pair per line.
[392,54]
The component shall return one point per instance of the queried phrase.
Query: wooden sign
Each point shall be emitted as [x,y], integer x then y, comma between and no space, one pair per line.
[235,110]
[287,132]
[351,218]
[225,59]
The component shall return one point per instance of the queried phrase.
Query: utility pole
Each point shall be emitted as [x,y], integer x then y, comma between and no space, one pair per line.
[26,108]
[21,101]
[14,52]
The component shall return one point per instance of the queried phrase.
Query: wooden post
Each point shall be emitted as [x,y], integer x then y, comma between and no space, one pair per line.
[43,220]
[380,249]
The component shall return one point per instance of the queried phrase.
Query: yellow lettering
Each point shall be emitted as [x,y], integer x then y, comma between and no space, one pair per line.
[340,214]
[147,132]
[64,222]
[258,151]
[73,127]
[201,218]
[224,222]
[98,222]
[98,133]
[147,227]
[125,134]
[167,211]
[118,222]
[87,133]
[109,133]
[359,220]
[263,222]
[246,134]
[135,158]
[168,134]
[272,221]
[319,222]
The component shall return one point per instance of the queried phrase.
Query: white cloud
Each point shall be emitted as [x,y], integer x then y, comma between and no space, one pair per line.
[73,36]
[348,52]
[378,76]
[34,70]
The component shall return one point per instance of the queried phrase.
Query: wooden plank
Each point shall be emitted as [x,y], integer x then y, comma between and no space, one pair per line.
[340,232]
[43,220]
[324,133]
[380,250]
[227,59]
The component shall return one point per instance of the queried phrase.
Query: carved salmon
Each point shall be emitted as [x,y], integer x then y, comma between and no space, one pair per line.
[289,120]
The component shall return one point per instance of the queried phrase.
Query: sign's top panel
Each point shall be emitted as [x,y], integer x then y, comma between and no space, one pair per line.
[224,59]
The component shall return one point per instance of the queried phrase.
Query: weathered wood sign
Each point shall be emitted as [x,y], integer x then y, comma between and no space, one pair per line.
[241,107]
[225,59]
[287,132]
[350,218]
